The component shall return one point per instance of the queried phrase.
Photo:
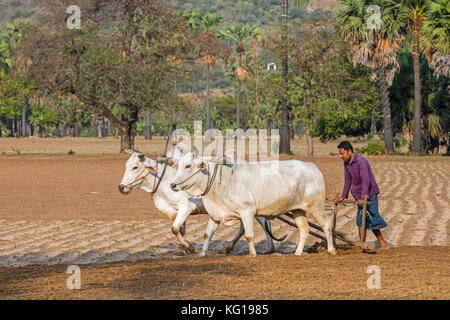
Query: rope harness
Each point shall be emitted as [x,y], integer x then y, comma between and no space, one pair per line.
[150,170]
[155,185]
[210,181]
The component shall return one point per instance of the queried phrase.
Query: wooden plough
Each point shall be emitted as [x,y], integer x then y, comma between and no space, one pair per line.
[336,234]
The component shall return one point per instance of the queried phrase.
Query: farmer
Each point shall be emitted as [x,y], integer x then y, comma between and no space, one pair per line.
[359,176]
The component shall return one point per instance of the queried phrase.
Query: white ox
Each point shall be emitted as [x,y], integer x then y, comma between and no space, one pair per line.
[264,189]
[144,173]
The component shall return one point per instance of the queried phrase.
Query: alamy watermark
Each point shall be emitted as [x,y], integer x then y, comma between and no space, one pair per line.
[256,144]
[374,281]
[373,22]
[74,20]
[74,280]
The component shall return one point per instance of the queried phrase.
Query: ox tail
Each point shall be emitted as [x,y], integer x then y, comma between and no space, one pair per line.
[266,224]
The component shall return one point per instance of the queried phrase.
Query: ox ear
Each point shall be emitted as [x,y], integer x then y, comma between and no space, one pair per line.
[201,164]
[141,156]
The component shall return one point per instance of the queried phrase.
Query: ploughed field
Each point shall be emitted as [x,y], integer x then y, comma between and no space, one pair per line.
[58,210]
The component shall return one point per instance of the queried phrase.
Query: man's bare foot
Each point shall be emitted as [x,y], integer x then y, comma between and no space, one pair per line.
[385,247]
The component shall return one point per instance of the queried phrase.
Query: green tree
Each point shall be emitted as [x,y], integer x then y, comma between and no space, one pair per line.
[329,97]
[239,35]
[208,47]
[285,144]
[42,118]
[427,21]
[209,21]
[15,66]
[308,56]
[124,63]
[375,46]
[435,33]
[417,14]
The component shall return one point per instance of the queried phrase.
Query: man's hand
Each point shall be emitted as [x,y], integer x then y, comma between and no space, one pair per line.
[360,201]
[339,199]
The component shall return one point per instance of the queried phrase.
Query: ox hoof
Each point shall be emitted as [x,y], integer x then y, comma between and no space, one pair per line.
[252,255]
[202,254]
[333,252]
[190,248]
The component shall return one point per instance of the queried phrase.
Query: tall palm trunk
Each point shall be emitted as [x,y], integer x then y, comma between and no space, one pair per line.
[238,94]
[285,144]
[208,111]
[386,108]
[417,139]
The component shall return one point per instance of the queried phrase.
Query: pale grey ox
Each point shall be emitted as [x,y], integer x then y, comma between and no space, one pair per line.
[145,173]
[263,189]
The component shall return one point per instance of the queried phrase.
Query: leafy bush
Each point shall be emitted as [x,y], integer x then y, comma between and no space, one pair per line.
[42,116]
[372,148]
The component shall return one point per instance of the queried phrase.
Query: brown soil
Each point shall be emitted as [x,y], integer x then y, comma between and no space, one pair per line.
[58,209]
[405,273]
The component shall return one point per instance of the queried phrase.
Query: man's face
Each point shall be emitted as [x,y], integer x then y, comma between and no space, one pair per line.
[345,155]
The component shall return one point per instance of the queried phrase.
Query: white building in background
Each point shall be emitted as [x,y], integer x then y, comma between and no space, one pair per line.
[271,66]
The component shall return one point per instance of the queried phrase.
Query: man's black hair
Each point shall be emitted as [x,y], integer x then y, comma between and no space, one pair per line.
[345,145]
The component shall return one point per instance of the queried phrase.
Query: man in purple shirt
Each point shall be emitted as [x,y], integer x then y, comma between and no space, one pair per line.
[359,176]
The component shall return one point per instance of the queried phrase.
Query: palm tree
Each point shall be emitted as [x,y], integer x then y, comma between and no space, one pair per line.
[12,59]
[240,35]
[427,21]
[285,144]
[10,33]
[209,21]
[206,24]
[417,10]
[375,48]
[435,33]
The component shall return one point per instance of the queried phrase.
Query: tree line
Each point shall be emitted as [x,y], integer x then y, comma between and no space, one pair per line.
[139,64]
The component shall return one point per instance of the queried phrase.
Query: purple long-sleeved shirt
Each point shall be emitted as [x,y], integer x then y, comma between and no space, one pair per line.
[359,176]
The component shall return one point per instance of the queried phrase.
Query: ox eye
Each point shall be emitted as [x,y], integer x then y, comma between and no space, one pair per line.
[135,168]
[187,166]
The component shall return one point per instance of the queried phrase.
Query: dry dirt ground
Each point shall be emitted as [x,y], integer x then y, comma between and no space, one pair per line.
[58,210]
